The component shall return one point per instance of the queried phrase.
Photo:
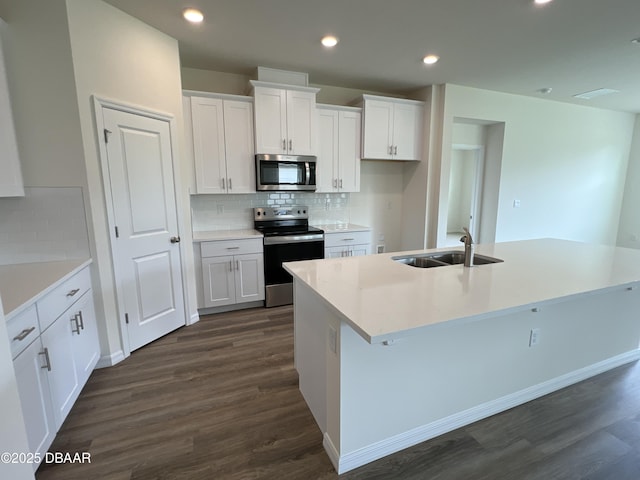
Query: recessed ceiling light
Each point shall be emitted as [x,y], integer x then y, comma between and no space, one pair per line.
[329,41]
[636,41]
[430,59]
[545,90]
[193,15]
[541,2]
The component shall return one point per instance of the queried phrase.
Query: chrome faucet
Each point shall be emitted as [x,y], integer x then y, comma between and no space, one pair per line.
[468,247]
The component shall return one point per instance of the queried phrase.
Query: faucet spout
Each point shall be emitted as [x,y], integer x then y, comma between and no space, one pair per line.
[468,247]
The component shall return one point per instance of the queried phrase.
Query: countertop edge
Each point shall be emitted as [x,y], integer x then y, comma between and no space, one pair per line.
[33,299]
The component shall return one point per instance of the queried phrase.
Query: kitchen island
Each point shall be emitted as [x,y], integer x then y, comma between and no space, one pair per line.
[390,355]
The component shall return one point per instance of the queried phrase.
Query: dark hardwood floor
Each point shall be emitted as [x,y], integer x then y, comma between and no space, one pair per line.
[219,400]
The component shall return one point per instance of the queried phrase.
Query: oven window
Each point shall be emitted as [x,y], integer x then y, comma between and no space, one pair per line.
[281,173]
[275,255]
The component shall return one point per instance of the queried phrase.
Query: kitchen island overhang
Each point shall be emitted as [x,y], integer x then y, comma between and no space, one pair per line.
[390,355]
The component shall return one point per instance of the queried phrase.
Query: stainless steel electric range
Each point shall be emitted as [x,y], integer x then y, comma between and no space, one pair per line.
[287,238]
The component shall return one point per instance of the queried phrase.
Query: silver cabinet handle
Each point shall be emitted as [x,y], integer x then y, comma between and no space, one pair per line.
[229,183]
[395,150]
[348,239]
[231,265]
[291,145]
[77,329]
[335,183]
[340,183]
[175,239]
[24,334]
[233,248]
[81,320]
[73,292]
[223,187]
[284,144]
[237,264]
[390,149]
[45,352]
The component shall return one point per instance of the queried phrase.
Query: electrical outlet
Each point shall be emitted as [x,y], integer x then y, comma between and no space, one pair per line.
[380,248]
[516,203]
[534,337]
[333,339]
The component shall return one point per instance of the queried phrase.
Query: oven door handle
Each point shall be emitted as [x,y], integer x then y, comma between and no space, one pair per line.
[279,240]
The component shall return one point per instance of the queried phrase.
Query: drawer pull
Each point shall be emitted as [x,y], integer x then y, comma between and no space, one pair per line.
[45,352]
[348,239]
[24,334]
[233,248]
[73,292]
[81,320]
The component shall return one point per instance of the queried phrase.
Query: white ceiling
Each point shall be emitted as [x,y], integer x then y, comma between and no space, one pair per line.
[572,46]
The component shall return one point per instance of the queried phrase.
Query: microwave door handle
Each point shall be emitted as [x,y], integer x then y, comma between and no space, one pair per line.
[307,167]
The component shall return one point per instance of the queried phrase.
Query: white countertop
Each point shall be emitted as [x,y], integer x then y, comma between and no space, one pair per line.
[342,227]
[214,235]
[24,283]
[383,299]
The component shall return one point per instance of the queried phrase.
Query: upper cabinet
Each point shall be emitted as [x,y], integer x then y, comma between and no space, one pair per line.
[285,119]
[393,128]
[222,140]
[11,178]
[338,168]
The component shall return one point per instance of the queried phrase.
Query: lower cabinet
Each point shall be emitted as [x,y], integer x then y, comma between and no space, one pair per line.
[232,279]
[52,369]
[347,244]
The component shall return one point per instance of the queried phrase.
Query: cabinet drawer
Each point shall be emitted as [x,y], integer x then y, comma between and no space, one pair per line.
[231,247]
[346,238]
[62,297]
[23,329]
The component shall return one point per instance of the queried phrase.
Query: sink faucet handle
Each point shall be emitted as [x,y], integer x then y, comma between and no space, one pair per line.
[467,239]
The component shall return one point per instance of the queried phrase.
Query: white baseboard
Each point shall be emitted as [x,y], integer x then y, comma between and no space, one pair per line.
[110,360]
[362,456]
[195,317]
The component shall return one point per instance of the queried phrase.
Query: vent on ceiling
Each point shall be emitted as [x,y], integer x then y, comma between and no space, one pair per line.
[595,93]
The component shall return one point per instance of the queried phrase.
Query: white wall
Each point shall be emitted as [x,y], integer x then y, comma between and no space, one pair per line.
[565,163]
[629,230]
[120,58]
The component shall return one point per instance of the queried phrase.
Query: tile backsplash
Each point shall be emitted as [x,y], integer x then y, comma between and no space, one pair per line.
[235,212]
[46,224]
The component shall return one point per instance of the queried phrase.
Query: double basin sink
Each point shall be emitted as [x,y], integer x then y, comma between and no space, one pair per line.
[442,259]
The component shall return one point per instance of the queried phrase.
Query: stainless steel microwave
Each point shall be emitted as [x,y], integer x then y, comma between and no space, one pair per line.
[285,172]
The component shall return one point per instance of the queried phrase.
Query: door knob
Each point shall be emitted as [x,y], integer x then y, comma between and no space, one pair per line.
[175,239]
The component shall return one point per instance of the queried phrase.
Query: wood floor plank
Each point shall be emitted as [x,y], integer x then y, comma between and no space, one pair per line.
[220,400]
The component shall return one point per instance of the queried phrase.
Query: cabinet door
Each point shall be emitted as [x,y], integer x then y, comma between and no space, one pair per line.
[301,122]
[86,350]
[249,277]
[239,152]
[57,341]
[360,250]
[271,120]
[349,152]
[11,184]
[407,131]
[208,144]
[218,281]
[336,252]
[378,128]
[33,388]
[326,168]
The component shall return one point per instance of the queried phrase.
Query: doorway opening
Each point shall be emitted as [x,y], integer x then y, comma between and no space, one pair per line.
[465,192]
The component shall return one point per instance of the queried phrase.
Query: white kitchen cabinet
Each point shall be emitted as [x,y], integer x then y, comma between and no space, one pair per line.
[11,184]
[54,343]
[222,138]
[32,380]
[232,272]
[285,119]
[338,168]
[393,128]
[347,244]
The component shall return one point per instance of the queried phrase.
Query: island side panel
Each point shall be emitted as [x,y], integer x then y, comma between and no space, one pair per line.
[317,360]
[444,377]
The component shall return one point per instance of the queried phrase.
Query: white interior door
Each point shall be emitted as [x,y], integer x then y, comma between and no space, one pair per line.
[146,254]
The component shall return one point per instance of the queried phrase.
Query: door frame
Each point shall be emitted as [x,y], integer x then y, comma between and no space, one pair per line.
[476,200]
[99,103]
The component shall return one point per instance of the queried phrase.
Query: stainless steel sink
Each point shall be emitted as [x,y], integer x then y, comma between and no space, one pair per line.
[442,259]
